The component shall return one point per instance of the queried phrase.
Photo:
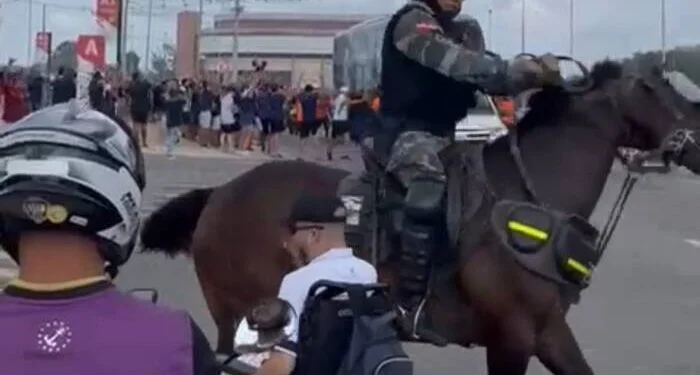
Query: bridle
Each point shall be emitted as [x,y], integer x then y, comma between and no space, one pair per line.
[674,143]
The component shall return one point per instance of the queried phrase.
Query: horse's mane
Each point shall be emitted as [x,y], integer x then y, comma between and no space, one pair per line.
[549,104]
[605,71]
[545,107]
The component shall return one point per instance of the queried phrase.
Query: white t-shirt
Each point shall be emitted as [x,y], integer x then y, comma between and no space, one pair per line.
[227,109]
[339,265]
[340,107]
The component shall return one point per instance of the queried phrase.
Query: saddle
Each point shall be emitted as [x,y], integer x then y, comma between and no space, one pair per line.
[376,191]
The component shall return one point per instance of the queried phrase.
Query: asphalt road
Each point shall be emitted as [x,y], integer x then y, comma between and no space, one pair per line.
[640,316]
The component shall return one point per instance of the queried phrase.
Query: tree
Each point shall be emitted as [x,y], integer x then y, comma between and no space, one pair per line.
[683,59]
[132,61]
[64,56]
[162,62]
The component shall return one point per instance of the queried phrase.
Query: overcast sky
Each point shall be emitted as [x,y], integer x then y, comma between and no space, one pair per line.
[602,27]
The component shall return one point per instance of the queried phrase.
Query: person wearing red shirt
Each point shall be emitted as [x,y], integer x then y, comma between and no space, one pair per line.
[14,99]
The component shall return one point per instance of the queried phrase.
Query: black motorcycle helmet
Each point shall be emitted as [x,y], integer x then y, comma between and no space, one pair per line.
[71,169]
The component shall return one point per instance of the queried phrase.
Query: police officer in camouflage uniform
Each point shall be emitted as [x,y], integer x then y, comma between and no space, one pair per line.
[429,78]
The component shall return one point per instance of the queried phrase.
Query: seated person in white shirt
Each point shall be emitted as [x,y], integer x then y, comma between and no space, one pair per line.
[317,225]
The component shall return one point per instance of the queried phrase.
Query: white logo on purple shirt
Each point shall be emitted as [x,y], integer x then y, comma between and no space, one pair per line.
[54,337]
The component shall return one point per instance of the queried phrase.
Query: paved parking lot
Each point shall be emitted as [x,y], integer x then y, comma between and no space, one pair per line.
[640,316]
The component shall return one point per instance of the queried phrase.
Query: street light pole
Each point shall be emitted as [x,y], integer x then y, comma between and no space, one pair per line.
[490,29]
[522,27]
[198,40]
[663,34]
[30,37]
[43,32]
[237,11]
[571,28]
[147,58]
[122,34]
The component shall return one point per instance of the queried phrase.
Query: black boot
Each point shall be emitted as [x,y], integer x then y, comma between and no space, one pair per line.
[419,240]
[417,248]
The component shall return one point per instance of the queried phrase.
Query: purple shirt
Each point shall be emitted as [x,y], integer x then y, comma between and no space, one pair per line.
[104,333]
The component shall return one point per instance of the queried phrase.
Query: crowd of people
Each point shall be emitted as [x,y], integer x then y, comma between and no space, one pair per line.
[240,118]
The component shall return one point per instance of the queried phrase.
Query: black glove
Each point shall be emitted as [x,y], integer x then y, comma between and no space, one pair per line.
[498,82]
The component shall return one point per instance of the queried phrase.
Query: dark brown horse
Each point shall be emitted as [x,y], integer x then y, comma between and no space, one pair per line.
[568,145]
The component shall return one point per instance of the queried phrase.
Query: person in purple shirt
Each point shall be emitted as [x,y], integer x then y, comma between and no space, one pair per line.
[69,209]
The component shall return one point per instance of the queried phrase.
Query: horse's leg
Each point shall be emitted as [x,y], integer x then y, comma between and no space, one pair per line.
[510,346]
[220,313]
[558,349]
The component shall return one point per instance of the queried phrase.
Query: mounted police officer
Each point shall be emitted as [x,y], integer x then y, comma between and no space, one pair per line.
[431,71]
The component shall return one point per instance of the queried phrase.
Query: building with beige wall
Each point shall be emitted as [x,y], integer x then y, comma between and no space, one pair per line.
[298,48]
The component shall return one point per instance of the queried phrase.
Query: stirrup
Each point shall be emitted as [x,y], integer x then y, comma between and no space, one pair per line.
[409,323]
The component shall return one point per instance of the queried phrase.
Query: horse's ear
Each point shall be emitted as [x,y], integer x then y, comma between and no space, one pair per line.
[645,85]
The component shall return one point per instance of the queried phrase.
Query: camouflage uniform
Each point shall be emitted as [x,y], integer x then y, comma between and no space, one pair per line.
[430,67]
[415,154]
[445,62]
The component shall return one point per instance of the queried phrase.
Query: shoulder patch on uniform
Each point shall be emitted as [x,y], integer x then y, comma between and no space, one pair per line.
[426,27]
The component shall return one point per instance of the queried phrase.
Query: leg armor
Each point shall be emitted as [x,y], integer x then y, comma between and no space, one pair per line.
[419,238]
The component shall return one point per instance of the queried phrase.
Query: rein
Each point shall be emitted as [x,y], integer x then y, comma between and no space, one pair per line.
[676,142]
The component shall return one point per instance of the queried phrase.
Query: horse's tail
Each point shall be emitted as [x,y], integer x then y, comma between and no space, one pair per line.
[169,229]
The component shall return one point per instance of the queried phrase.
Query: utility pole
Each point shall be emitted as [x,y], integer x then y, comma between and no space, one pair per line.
[30,31]
[522,27]
[663,34]
[571,28]
[47,65]
[122,35]
[237,11]
[198,40]
[490,29]
[49,41]
[148,36]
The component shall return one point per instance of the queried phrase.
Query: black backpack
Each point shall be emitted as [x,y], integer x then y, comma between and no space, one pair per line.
[349,336]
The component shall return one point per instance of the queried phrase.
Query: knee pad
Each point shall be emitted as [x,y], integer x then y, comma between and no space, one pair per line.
[424,199]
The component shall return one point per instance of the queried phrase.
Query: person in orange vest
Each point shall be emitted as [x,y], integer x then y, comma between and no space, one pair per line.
[506,110]
[375,104]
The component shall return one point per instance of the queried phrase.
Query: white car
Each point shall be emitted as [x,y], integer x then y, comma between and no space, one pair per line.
[482,124]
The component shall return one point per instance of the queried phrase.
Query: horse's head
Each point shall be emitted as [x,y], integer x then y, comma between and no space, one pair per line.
[655,115]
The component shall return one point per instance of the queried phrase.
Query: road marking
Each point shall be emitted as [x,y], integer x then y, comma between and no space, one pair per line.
[693,242]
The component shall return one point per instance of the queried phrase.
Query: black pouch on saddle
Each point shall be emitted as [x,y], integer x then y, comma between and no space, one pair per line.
[550,243]
[575,249]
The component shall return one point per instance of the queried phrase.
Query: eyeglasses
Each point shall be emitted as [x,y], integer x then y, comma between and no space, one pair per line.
[294,228]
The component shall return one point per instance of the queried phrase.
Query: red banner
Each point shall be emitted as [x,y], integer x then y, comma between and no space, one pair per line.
[43,41]
[91,48]
[107,11]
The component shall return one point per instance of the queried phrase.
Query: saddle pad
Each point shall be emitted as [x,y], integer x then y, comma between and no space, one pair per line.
[536,255]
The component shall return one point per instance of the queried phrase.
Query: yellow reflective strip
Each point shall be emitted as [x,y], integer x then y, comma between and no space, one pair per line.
[527,230]
[577,266]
